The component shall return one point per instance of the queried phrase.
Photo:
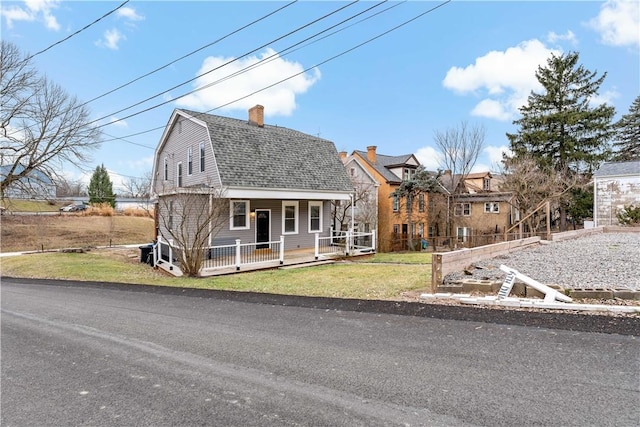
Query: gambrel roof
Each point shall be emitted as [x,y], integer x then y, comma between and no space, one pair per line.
[271,157]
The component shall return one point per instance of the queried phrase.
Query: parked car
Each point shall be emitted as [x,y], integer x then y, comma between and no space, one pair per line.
[73,208]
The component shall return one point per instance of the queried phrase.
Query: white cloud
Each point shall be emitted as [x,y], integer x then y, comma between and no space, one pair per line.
[429,157]
[504,78]
[494,155]
[277,100]
[618,23]
[604,98]
[480,167]
[569,36]
[141,164]
[130,14]
[117,122]
[111,39]
[34,10]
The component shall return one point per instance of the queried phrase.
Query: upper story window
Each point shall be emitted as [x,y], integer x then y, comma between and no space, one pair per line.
[486,184]
[396,203]
[315,217]
[462,209]
[189,161]
[289,217]
[421,202]
[239,215]
[492,207]
[170,220]
[409,203]
[202,157]
[179,174]
[408,174]
[166,169]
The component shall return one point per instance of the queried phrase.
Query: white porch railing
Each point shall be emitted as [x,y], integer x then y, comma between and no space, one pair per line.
[224,256]
[345,243]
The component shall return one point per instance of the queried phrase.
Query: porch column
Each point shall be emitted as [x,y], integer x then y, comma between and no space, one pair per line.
[316,245]
[238,254]
[281,250]
[373,240]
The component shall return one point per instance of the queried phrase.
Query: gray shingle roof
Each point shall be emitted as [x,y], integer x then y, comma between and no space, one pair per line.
[619,168]
[249,156]
[383,162]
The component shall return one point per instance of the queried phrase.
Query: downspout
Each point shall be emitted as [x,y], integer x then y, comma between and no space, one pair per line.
[353,212]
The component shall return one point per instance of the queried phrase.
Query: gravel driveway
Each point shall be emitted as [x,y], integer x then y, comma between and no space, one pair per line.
[607,260]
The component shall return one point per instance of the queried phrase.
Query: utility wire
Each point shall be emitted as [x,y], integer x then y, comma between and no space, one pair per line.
[190,53]
[292,76]
[168,64]
[274,56]
[77,32]
[218,67]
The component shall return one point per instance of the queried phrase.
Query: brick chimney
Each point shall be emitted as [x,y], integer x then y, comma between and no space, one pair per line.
[371,153]
[256,115]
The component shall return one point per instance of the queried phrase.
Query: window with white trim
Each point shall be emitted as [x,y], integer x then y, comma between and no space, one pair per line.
[239,215]
[315,217]
[166,169]
[463,233]
[189,161]
[396,203]
[290,217]
[486,184]
[492,207]
[170,220]
[421,202]
[202,157]
[179,174]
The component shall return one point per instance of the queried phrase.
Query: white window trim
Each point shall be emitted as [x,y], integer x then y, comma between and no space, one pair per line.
[296,204]
[491,206]
[189,161]
[179,174]
[165,170]
[201,159]
[232,215]
[320,205]
[396,203]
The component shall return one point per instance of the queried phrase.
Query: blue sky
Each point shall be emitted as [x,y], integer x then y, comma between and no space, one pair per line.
[470,61]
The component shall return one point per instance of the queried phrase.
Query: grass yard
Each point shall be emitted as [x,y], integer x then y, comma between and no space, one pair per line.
[383,276]
[365,280]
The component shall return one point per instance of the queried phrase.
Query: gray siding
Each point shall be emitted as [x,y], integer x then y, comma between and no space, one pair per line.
[184,135]
[612,195]
[302,240]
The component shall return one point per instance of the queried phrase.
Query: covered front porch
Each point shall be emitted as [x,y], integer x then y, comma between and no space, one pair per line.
[241,257]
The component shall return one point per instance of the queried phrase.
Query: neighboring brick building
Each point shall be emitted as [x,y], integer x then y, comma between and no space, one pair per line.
[389,172]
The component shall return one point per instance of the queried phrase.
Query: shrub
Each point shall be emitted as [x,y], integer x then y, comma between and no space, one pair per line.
[629,215]
[100,209]
[138,212]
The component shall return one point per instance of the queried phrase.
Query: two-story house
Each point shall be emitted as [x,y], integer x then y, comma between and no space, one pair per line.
[389,172]
[477,208]
[274,181]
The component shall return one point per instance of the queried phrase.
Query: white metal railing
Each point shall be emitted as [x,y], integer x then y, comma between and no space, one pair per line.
[345,243]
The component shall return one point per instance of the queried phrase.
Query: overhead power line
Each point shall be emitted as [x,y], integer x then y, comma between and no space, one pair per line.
[77,32]
[220,66]
[292,76]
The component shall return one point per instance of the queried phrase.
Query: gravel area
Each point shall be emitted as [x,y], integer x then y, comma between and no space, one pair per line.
[607,260]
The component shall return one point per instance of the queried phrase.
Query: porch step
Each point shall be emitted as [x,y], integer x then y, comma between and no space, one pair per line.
[306,264]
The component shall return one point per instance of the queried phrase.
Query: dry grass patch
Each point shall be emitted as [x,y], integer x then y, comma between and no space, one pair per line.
[36,232]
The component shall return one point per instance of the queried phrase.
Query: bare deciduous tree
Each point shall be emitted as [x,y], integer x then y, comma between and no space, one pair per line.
[459,148]
[138,187]
[42,127]
[364,206]
[69,188]
[191,218]
[531,184]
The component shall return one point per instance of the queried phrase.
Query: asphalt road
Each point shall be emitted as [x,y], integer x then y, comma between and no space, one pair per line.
[75,354]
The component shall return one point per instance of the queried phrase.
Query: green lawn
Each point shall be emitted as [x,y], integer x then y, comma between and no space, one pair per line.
[385,276]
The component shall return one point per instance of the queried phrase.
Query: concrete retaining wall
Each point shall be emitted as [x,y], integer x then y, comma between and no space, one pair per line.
[443,263]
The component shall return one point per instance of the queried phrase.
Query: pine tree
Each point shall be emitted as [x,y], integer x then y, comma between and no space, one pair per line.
[559,127]
[627,145]
[101,188]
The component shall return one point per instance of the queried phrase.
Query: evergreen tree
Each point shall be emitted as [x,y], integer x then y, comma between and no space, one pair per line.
[101,188]
[559,127]
[627,146]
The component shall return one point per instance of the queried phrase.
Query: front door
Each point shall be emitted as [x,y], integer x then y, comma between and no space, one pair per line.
[263,228]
